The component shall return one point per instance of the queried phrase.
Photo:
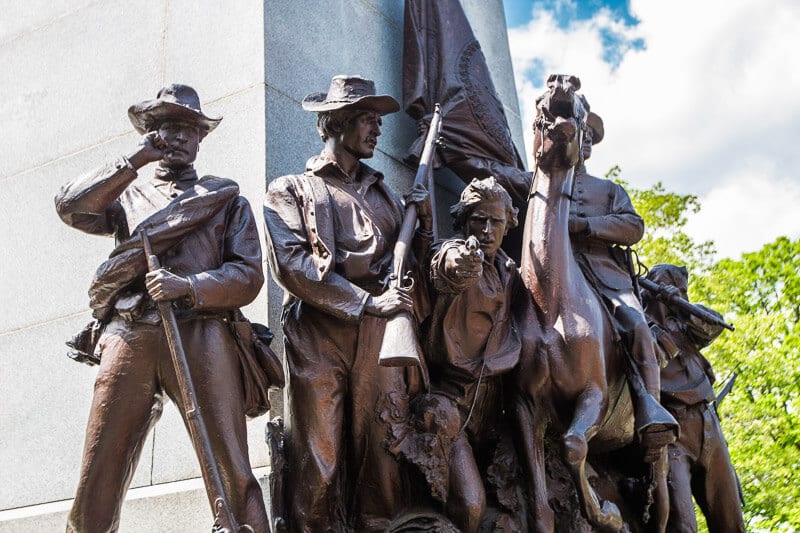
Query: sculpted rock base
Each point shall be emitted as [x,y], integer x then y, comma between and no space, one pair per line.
[618,477]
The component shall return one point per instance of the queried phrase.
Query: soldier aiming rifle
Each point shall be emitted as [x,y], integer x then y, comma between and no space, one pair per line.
[700,464]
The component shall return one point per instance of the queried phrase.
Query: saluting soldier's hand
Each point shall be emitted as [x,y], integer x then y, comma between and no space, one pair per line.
[389,303]
[150,149]
[164,285]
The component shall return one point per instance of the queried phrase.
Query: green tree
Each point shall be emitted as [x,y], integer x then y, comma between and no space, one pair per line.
[760,294]
[665,214]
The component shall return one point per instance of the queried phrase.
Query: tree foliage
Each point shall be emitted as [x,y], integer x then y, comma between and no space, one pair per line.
[665,215]
[760,294]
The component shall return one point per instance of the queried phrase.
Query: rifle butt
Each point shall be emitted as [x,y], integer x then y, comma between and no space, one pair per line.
[400,346]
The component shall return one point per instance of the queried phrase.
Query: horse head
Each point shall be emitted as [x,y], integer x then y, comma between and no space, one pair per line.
[560,120]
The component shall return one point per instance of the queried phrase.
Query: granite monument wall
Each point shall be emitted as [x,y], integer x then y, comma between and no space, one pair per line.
[71,70]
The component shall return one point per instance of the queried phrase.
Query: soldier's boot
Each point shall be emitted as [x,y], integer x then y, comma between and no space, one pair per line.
[654,425]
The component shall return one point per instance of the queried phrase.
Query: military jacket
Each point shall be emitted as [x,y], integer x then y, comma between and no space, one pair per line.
[612,221]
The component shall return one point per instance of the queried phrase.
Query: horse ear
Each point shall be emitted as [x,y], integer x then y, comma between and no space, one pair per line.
[575,81]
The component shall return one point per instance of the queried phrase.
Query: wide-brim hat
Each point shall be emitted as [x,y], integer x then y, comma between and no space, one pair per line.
[351,92]
[595,123]
[176,102]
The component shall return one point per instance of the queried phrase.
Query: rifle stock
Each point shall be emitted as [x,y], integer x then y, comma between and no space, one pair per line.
[400,346]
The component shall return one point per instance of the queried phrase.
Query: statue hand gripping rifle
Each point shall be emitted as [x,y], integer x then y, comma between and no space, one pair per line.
[206,237]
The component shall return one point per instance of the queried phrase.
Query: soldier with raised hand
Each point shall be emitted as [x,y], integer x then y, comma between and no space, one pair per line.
[206,238]
[699,462]
[330,236]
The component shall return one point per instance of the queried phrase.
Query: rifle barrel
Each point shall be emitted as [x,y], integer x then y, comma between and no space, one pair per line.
[410,217]
[685,305]
[399,345]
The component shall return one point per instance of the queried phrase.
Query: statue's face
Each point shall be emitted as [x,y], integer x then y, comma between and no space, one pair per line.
[181,140]
[360,135]
[487,223]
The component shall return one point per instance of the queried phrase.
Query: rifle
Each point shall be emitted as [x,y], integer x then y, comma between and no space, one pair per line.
[726,389]
[684,305]
[194,419]
[400,346]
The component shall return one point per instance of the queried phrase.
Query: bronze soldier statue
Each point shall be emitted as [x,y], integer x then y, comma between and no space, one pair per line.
[472,339]
[603,220]
[330,235]
[206,238]
[699,462]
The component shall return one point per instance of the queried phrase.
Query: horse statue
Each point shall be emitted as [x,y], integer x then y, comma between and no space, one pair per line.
[573,370]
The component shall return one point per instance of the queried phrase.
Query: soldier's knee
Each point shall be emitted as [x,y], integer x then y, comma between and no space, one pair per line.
[245,483]
[469,510]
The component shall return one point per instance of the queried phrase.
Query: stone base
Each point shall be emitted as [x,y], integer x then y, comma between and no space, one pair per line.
[168,508]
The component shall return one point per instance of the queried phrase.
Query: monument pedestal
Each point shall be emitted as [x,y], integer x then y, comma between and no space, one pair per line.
[174,507]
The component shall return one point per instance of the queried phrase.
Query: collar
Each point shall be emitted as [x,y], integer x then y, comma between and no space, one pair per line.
[324,165]
[182,179]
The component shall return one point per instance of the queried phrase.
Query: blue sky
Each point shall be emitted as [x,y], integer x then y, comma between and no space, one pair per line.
[700,95]
[518,12]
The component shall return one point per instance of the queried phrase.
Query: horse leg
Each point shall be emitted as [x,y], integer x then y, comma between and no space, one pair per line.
[532,425]
[588,414]
[659,512]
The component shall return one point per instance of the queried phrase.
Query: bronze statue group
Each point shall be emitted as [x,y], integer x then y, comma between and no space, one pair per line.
[552,393]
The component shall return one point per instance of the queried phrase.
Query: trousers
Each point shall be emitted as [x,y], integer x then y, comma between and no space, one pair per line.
[700,465]
[342,475]
[135,377]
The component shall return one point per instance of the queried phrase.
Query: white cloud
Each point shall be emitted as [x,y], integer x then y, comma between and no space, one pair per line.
[747,210]
[710,106]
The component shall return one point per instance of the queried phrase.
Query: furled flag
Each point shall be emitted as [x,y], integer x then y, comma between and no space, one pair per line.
[443,63]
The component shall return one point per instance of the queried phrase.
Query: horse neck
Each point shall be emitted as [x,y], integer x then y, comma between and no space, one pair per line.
[547,261]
